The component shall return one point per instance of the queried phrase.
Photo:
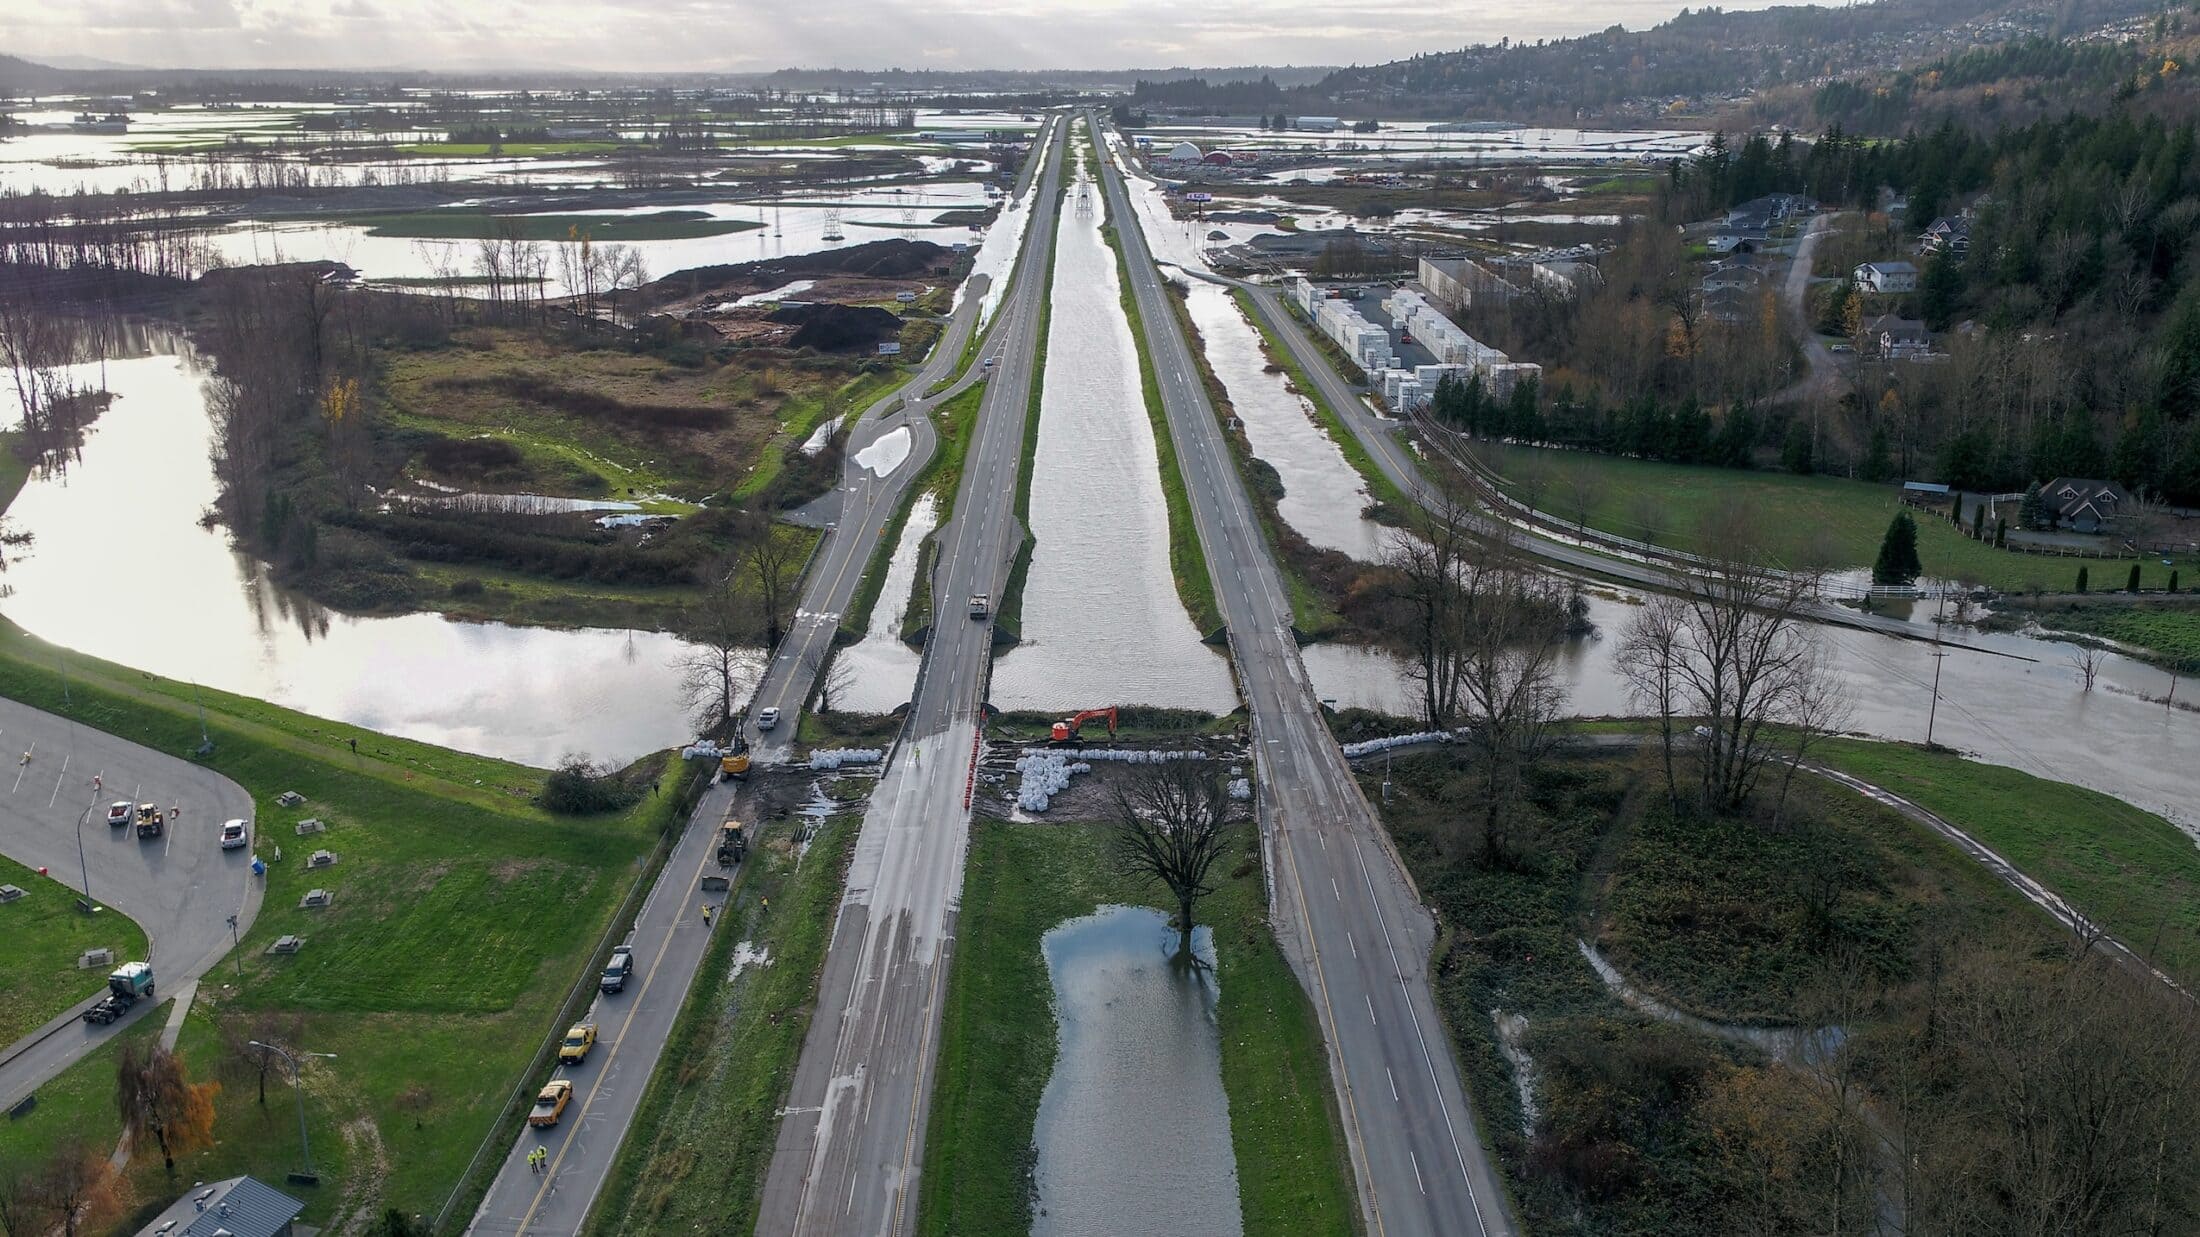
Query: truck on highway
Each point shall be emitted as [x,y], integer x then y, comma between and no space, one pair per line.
[981,605]
[620,968]
[130,983]
[733,843]
[578,1040]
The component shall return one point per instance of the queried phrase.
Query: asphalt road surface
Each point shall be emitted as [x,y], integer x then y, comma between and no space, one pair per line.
[631,1028]
[852,1139]
[181,887]
[1362,952]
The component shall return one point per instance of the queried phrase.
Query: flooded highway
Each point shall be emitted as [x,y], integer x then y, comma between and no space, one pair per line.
[1102,623]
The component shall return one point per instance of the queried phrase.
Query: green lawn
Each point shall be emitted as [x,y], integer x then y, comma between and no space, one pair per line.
[45,933]
[997,1041]
[800,416]
[707,1125]
[1195,587]
[2169,633]
[2130,870]
[603,229]
[1833,519]
[463,915]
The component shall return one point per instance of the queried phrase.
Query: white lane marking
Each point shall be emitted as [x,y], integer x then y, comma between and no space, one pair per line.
[1350,944]
[1334,890]
[23,767]
[1393,1082]
[1417,1172]
[1370,999]
[55,797]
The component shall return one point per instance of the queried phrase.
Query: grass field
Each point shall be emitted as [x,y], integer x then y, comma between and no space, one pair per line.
[1833,519]
[2169,634]
[705,1131]
[2130,870]
[466,225]
[997,1042]
[44,933]
[463,914]
[1195,587]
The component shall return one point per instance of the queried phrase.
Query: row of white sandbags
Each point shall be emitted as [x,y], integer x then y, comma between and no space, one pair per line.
[834,758]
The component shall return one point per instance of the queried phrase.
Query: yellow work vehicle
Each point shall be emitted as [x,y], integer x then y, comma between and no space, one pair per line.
[735,764]
[577,1043]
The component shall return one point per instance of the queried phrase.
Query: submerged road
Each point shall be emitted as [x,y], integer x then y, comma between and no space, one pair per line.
[852,1136]
[1363,951]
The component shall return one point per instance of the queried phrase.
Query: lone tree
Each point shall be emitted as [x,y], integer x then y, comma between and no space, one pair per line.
[1897,562]
[1171,824]
[157,1100]
[76,1192]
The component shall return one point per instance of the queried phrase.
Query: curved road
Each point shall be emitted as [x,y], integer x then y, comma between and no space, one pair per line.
[181,888]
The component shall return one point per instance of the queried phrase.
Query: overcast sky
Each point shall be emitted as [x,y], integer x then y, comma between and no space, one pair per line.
[767,34]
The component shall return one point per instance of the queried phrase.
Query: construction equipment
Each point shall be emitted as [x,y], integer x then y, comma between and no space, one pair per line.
[151,822]
[735,763]
[733,844]
[131,982]
[1066,730]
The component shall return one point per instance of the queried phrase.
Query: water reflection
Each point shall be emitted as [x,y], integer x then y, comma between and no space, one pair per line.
[122,568]
[1133,1133]
[882,669]
[1102,621]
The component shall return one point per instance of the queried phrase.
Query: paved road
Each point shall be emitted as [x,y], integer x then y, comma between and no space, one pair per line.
[867,505]
[1363,951]
[1822,377]
[852,1140]
[631,1026]
[181,888]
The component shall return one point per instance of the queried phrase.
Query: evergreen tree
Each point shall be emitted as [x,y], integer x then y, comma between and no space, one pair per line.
[1878,457]
[2033,511]
[2082,574]
[1940,290]
[2131,583]
[1897,562]
[1795,452]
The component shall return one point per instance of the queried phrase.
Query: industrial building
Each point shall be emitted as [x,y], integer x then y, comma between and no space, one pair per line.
[1457,354]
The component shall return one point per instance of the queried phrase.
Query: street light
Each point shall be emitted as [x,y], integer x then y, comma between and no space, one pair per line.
[235,946]
[83,867]
[298,1084]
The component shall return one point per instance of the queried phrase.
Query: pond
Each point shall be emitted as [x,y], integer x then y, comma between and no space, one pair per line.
[122,568]
[1133,1133]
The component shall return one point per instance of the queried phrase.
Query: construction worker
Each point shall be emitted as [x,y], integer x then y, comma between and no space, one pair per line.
[706,914]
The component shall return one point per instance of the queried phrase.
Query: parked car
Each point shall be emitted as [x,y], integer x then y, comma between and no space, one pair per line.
[767,718]
[235,836]
[550,1104]
[118,813]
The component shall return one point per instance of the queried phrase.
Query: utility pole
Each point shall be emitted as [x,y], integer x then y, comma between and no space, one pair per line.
[1939,655]
[83,867]
[235,944]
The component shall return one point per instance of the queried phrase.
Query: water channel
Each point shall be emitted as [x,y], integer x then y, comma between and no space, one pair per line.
[122,569]
[1102,623]
[882,668]
[1133,1133]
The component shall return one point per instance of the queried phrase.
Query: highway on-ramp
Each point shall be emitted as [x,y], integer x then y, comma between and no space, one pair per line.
[181,887]
[851,1138]
[1345,909]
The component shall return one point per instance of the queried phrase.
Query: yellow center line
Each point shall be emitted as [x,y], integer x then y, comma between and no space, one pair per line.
[550,1174]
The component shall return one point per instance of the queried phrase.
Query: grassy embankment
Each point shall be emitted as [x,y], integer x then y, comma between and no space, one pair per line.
[704,1135]
[1314,610]
[1009,614]
[45,933]
[468,225]
[2168,635]
[1195,587]
[1391,503]
[463,915]
[998,1036]
[1837,519]
[1731,919]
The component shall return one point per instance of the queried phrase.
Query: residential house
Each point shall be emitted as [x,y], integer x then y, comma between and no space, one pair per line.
[1886,278]
[1731,305]
[1897,338]
[1737,239]
[238,1206]
[2084,504]
[1740,274]
[1951,233]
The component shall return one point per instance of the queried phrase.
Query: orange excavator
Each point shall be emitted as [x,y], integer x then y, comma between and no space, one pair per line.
[1065,731]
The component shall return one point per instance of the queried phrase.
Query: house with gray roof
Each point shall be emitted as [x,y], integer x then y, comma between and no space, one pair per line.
[236,1207]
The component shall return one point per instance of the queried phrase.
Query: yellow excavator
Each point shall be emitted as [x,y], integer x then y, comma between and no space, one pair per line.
[735,763]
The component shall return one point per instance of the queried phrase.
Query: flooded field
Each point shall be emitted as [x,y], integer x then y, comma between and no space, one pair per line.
[2027,711]
[121,568]
[882,669]
[1322,494]
[1102,623]
[1133,1133]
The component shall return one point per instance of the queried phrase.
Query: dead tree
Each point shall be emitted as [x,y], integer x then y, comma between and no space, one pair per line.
[1171,825]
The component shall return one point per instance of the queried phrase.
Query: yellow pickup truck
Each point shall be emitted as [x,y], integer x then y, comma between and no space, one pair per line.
[550,1105]
[578,1041]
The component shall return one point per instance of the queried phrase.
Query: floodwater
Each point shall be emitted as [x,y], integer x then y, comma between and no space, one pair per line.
[1102,623]
[888,452]
[2032,715]
[882,669]
[1323,495]
[122,569]
[1133,1133]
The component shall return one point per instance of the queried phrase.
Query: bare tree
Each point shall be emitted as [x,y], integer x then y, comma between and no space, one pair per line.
[1429,559]
[835,682]
[720,665]
[1581,494]
[22,1211]
[1512,618]
[1817,707]
[1171,825]
[77,1188]
[238,1029]
[2088,661]
[771,568]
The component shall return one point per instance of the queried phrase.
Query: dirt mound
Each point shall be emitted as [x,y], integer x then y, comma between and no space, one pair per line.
[838,328]
[887,259]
